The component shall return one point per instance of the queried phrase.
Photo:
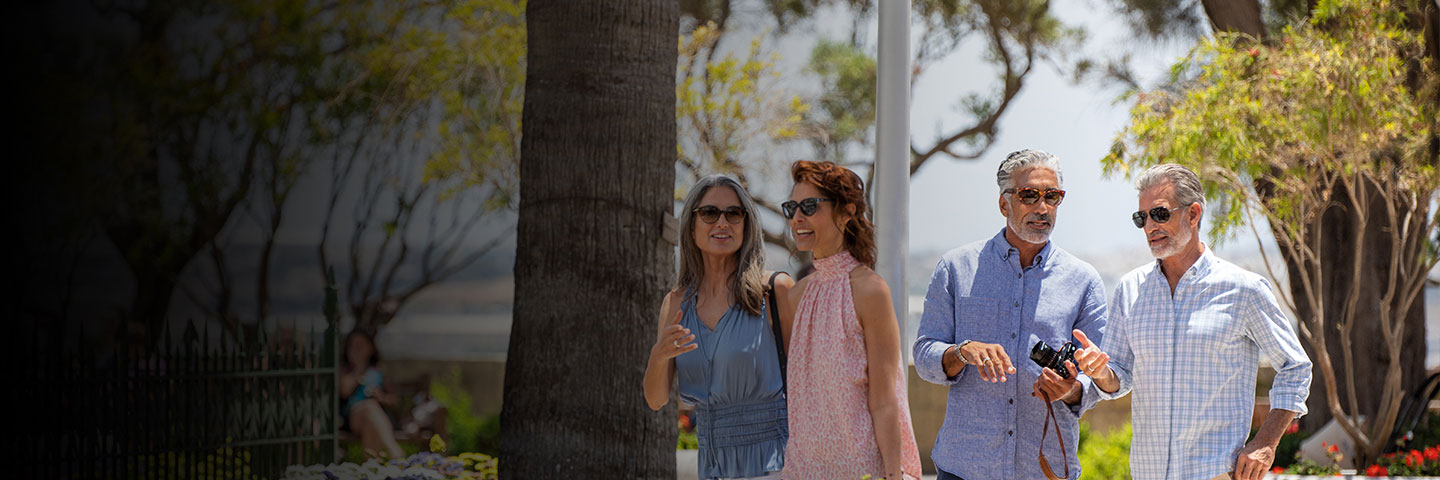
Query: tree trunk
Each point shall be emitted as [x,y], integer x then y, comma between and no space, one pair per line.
[1371,355]
[592,264]
[1241,16]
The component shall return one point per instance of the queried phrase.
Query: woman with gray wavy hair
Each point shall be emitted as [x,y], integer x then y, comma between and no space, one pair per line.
[717,333]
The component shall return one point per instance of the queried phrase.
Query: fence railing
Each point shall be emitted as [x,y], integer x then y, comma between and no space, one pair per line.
[194,408]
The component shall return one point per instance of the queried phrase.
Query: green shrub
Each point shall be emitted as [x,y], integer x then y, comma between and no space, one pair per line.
[687,441]
[1106,456]
[468,432]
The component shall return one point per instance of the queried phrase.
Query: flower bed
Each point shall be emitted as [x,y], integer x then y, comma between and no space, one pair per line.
[420,466]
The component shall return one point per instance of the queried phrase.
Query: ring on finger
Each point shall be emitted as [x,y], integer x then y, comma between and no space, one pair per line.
[676,343]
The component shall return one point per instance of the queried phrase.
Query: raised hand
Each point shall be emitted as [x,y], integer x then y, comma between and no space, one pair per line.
[1089,359]
[674,339]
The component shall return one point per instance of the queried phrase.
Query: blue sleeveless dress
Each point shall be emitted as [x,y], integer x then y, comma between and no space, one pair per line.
[733,379]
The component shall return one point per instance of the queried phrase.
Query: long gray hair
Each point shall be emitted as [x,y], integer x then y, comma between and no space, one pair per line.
[747,282]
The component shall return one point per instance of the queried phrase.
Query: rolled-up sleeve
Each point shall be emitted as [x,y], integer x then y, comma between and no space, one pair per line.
[1116,343]
[1271,330]
[937,328]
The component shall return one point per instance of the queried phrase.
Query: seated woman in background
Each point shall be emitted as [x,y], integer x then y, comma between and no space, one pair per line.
[361,387]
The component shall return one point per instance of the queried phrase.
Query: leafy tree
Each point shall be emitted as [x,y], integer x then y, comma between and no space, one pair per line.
[430,158]
[184,127]
[839,121]
[731,114]
[1328,136]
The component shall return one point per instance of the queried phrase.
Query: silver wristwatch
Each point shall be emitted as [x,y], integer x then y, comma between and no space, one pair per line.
[960,355]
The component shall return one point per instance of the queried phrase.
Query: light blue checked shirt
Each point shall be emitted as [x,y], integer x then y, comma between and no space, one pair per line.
[979,292]
[1191,361]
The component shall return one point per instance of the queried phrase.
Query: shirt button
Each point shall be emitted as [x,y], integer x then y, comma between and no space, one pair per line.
[1012,432]
[1017,304]
[1012,401]
[1018,275]
[1012,335]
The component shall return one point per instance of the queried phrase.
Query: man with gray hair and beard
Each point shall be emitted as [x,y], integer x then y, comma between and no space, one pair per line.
[1185,334]
[988,304]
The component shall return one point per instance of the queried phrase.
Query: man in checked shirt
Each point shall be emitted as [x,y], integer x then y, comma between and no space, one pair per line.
[1185,334]
[989,302]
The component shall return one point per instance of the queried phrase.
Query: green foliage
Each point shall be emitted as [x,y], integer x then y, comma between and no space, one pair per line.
[1427,432]
[847,99]
[726,108]
[687,441]
[468,432]
[1105,456]
[473,66]
[1325,101]
[1289,448]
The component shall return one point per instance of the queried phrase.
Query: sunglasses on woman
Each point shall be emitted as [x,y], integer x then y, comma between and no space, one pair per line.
[711,213]
[806,206]
[1029,196]
[1159,214]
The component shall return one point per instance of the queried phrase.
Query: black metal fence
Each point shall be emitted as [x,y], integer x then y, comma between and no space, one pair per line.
[187,408]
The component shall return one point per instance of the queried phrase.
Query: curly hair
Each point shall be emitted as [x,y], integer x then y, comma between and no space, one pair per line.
[844,187]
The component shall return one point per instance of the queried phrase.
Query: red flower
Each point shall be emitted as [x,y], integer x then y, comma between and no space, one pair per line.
[1432,453]
[1375,471]
[1331,448]
[1294,426]
[1254,52]
[1277,470]
[684,422]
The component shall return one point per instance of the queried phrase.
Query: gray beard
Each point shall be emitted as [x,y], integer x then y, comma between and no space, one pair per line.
[1029,235]
[1173,245]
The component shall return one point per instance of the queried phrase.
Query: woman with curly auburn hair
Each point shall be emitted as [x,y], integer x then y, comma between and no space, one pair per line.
[849,412]
[716,335]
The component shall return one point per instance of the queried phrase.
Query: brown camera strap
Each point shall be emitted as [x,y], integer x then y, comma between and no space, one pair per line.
[1050,419]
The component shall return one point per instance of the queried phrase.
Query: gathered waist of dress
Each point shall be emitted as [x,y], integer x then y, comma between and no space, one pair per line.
[741,424]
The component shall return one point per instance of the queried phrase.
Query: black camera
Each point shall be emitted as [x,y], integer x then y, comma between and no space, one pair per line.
[1047,357]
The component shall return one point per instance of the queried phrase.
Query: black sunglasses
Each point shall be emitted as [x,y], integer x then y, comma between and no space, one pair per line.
[806,206]
[1159,214]
[711,213]
[1029,196]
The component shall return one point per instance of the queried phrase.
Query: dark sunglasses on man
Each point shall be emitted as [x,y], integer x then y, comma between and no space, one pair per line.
[1159,214]
[806,206]
[1029,195]
[711,214]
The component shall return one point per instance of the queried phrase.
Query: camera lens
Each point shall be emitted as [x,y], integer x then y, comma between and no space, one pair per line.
[1042,354]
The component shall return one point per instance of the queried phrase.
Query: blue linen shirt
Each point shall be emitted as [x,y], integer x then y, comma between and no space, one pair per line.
[979,292]
[1191,362]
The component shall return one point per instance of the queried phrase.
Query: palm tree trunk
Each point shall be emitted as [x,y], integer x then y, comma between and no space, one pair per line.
[593,262]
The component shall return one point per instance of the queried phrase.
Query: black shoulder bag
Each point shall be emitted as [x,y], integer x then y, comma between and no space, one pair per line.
[775,327]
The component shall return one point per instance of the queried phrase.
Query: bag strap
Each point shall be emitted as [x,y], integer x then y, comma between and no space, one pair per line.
[1044,464]
[775,328]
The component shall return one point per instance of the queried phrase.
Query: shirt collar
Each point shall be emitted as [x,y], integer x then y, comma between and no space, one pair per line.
[1201,266]
[1002,248]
